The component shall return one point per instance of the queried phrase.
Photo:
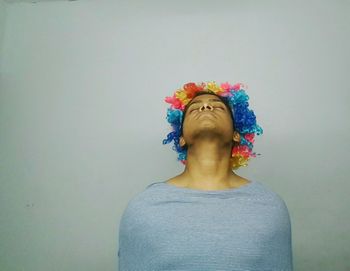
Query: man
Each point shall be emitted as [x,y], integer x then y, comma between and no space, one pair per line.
[208,217]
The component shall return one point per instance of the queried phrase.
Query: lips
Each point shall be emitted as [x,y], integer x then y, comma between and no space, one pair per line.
[206,113]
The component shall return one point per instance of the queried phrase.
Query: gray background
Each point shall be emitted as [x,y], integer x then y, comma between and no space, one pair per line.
[82,117]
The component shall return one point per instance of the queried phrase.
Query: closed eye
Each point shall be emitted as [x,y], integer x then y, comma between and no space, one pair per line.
[194,108]
[219,106]
[216,104]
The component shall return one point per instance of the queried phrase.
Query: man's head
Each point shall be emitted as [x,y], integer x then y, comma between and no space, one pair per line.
[222,108]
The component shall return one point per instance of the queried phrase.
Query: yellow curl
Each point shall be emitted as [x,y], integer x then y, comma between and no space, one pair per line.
[239,161]
[182,96]
[214,87]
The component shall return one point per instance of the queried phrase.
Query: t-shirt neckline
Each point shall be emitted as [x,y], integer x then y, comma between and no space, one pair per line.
[200,191]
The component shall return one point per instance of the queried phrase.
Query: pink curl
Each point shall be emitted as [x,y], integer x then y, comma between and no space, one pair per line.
[175,102]
[250,137]
[226,86]
[241,150]
[236,86]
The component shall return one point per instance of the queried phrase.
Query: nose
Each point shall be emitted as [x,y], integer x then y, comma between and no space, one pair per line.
[204,106]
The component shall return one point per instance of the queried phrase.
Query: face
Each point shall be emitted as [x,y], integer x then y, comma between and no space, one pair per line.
[207,114]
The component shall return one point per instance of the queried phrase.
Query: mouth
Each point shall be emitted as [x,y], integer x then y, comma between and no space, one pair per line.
[207,113]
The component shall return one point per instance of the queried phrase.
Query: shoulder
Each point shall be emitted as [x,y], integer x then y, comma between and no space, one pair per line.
[141,200]
[267,191]
[272,198]
[140,209]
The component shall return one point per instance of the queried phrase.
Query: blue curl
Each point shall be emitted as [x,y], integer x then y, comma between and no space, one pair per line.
[174,116]
[238,97]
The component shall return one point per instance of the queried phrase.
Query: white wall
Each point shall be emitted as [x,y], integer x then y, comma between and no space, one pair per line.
[82,117]
[2,22]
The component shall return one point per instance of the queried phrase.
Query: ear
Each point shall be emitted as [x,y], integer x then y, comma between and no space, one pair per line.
[182,141]
[236,137]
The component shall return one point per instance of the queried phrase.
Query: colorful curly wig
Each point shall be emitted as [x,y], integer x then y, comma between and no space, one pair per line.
[244,120]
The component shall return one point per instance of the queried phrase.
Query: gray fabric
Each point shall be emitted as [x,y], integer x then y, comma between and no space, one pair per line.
[166,227]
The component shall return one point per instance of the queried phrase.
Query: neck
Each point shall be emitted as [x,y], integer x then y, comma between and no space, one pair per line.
[208,166]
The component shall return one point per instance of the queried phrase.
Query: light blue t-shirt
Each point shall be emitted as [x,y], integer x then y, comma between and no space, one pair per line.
[166,227]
